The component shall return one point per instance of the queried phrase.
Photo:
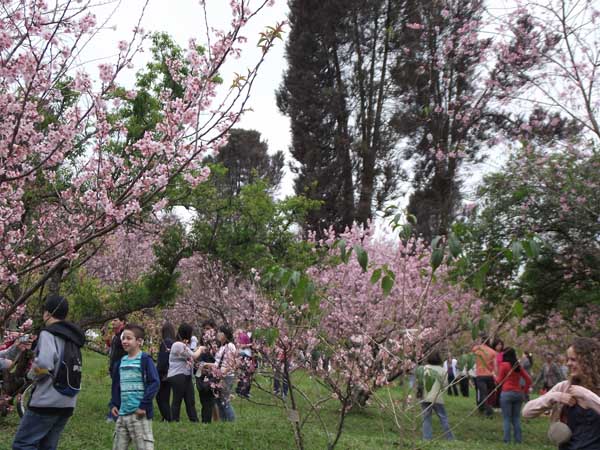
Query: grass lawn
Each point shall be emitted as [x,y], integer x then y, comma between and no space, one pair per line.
[267,427]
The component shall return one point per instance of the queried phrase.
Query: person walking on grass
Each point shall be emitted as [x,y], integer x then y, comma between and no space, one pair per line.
[135,382]
[179,376]
[52,402]
[575,401]
[510,375]
[433,399]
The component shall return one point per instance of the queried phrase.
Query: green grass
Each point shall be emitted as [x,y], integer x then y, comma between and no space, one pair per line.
[267,427]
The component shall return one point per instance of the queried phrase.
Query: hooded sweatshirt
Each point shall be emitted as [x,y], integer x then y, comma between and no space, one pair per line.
[48,354]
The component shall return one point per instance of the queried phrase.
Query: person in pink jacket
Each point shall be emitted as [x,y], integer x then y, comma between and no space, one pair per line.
[576,400]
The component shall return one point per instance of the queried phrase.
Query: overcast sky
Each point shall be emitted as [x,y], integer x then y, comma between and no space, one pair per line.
[184,19]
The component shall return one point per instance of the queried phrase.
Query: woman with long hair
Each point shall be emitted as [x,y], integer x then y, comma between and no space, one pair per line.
[163,397]
[577,400]
[225,365]
[512,392]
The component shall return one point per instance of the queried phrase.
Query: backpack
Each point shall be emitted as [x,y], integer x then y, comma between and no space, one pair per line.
[67,379]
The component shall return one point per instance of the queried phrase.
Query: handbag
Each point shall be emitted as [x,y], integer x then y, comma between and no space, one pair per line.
[559,432]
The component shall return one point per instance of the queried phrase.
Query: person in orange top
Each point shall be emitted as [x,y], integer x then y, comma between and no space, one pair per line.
[512,393]
[484,375]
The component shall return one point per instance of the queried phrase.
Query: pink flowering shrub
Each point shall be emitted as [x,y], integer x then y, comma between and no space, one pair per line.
[369,337]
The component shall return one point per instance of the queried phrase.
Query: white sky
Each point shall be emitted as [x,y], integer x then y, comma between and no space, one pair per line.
[184,19]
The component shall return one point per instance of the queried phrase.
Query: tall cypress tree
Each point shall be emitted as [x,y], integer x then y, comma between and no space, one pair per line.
[313,99]
[334,92]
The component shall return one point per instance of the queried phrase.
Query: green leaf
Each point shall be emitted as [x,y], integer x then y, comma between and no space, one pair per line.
[341,244]
[474,332]
[429,381]
[454,245]
[482,324]
[435,242]
[376,276]
[362,257]
[517,250]
[406,232]
[450,308]
[480,276]
[387,283]
[295,278]
[518,309]
[437,256]
[299,294]
[535,249]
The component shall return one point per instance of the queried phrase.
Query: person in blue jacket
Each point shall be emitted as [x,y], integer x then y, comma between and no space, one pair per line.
[135,383]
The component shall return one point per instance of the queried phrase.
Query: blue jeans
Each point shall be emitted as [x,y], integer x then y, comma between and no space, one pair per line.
[39,431]
[441,413]
[510,402]
[226,412]
[280,385]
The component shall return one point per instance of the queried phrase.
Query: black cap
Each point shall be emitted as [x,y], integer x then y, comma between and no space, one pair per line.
[57,306]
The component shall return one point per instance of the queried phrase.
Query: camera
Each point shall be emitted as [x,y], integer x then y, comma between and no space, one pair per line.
[23,339]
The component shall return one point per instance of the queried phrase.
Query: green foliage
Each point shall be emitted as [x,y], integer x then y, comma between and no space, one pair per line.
[535,234]
[93,300]
[249,230]
[291,287]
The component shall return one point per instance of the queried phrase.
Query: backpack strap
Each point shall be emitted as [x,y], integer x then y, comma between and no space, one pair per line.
[223,356]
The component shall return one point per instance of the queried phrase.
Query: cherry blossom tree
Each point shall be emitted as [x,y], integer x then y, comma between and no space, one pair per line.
[379,324]
[69,175]
[554,62]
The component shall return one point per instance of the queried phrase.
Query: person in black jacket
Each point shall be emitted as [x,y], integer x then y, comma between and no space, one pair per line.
[163,398]
[115,352]
[50,407]
[204,380]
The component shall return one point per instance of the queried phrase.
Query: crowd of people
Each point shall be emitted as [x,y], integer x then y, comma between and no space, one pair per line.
[569,391]
[213,364]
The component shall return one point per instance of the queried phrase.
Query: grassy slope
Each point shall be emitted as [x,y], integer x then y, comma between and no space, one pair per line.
[264,427]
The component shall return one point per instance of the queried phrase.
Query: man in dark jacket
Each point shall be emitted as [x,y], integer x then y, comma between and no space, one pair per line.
[115,352]
[49,410]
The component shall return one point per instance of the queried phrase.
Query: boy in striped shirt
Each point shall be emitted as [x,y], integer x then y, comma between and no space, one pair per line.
[135,383]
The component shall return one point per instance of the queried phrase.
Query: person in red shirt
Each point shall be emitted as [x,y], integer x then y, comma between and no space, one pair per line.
[510,374]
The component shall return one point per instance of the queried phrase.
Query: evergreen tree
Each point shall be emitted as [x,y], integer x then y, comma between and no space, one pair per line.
[246,158]
[314,99]
[335,92]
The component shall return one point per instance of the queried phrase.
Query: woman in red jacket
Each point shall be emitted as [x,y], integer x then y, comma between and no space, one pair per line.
[512,393]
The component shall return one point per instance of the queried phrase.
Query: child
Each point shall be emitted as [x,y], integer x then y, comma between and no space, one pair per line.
[135,383]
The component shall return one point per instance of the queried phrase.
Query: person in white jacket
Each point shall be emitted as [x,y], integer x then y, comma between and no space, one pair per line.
[433,398]
[577,400]
[450,367]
